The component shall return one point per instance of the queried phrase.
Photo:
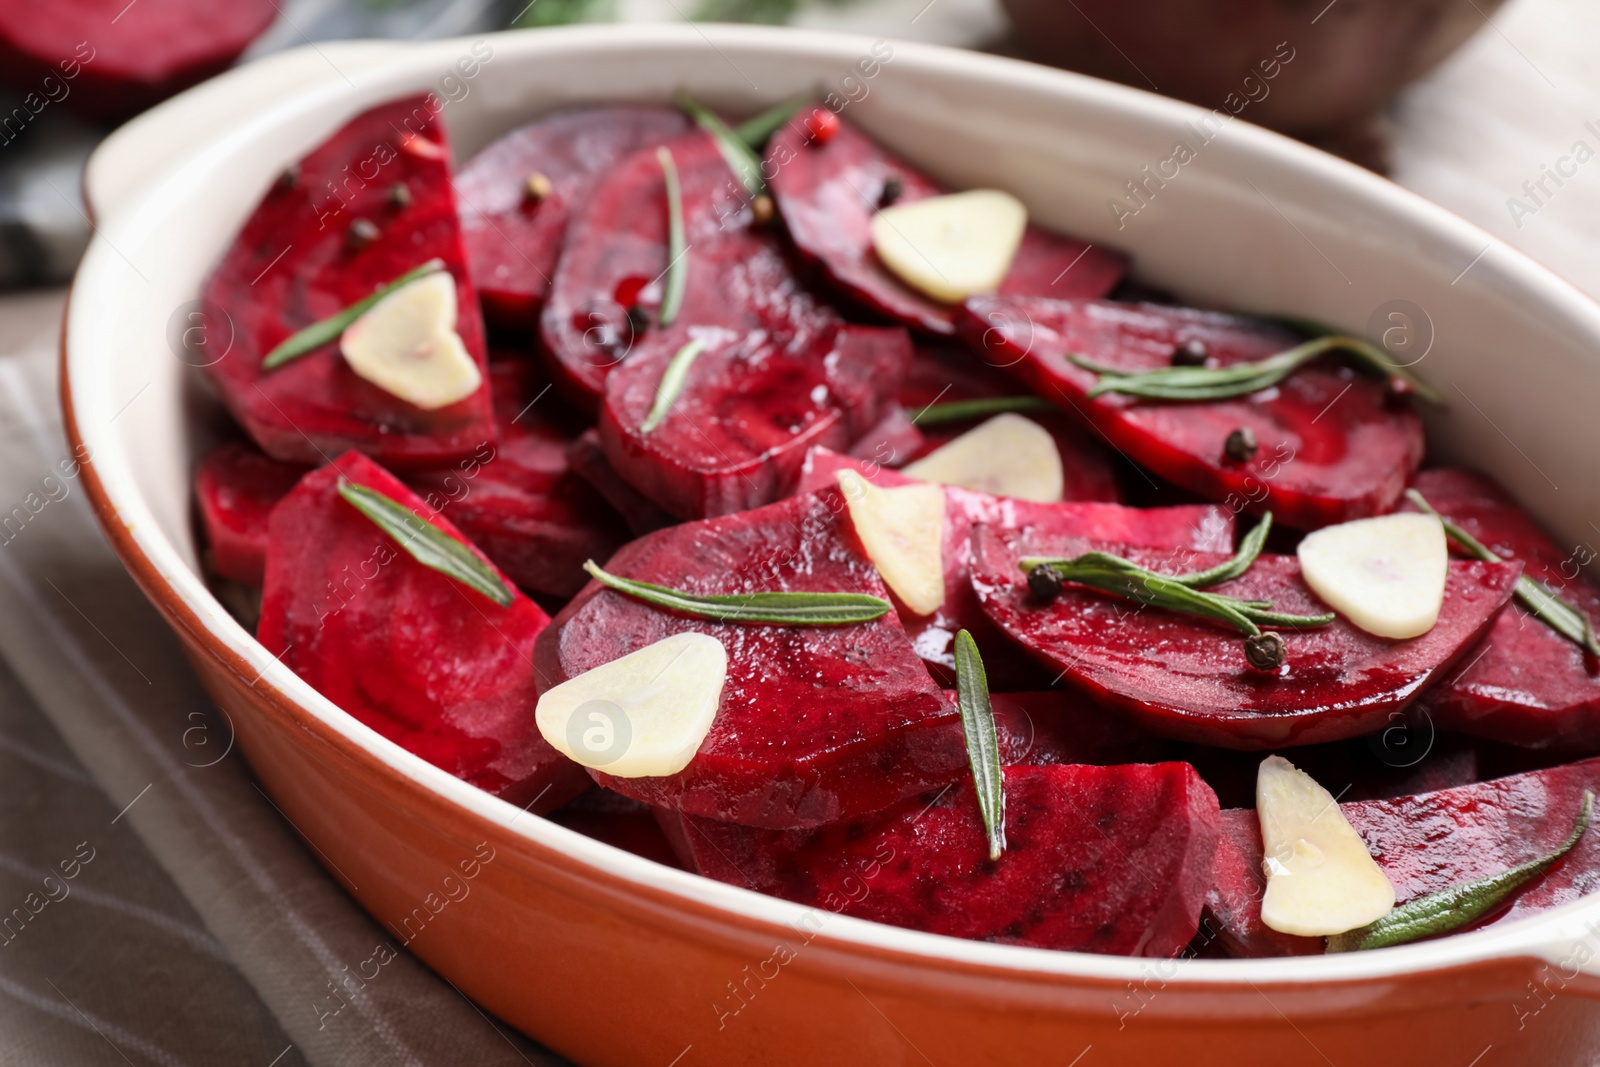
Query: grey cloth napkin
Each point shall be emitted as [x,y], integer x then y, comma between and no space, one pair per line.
[202,930]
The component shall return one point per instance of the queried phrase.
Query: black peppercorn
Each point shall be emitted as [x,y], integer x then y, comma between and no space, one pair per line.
[1044,582]
[638,320]
[761,209]
[399,194]
[1397,394]
[362,232]
[892,188]
[1265,651]
[1191,353]
[1240,445]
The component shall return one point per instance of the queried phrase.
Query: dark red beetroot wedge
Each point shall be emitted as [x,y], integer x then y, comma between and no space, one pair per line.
[1185,677]
[619,822]
[1058,726]
[828,193]
[1114,860]
[748,411]
[1330,448]
[434,666]
[817,723]
[588,459]
[519,500]
[945,374]
[513,236]
[1425,844]
[1527,685]
[1201,527]
[110,60]
[615,258]
[299,259]
[236,487]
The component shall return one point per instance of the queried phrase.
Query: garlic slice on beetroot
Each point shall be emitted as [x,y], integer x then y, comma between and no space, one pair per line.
[953,246]
[1386,574]
[1006,456]
[644,715]
[902,529]
[406,344]
[1321,880]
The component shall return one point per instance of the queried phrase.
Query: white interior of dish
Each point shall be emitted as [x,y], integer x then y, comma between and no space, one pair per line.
[1253,222]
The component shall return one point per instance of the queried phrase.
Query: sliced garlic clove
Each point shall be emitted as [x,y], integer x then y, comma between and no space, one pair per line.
[406,344]
[1320,878]
[951,247]
[902,529]
[642,716]
[1386,575]
[1006,456]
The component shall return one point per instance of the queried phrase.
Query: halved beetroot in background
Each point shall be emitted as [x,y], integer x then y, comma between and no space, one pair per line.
[513,239]
[615,257]
[1527,685]
[1330,448]
[1186,677]
[1008,666]
[295,263]
[432,665]
[1113,860]
[1427,843]
[828,193]
[519,500]
[588,459]
[236,487]
[817,723]
[1403,757]
[737,435]
[117,58]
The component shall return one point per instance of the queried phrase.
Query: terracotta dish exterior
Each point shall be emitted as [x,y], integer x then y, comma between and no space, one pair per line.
[613,960]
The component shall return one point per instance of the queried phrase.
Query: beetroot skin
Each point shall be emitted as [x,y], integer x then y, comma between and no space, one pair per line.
[295,263]
[432,665]
[1186,677]
[513,238]
[615,257]
[828,193]
[1527,685]
[737,435]
[236,487]
[1113,860]
[1331,448]
[817,723]
[1425,844]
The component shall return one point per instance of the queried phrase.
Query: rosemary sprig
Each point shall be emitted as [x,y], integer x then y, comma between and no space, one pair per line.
[780,608]
[1249,549]
[322,331]
[741,159]
[965,410]
[426,543]
[1242,379]
[758,129]
[1542,602]
[672,380]
[677,258]
[1450,909]
[983,743]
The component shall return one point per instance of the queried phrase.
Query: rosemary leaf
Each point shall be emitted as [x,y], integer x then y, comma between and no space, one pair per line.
[1249,549]
[965,410]
[426,543]
[1242,379]
[677,253]
[321,332]
[758,129]
[780,608]
[983,744]
[1542,602]
[1450,909]
[741,159]
[672,380]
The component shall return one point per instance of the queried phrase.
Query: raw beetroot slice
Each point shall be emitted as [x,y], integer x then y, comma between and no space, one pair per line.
[738,432]
[115,58]
[1425,844]
[1186,677]
[297,261]
[1527,685]
[1112,860]
[615,257]
[1330,448]
[519,500]
[817,723]
[513,238]
[236,487]
[828,193]
[432,665]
